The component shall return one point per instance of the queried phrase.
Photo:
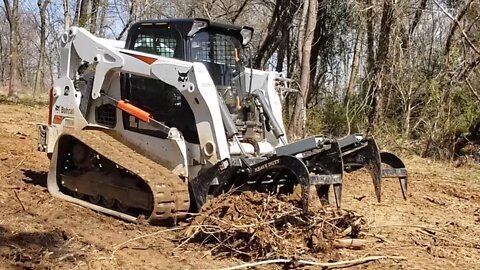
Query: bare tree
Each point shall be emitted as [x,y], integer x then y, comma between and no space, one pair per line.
[66,13]
[381,65]
[299,117]
[93,15]
[12,12]
[354,67]
[83,15]
[40,73]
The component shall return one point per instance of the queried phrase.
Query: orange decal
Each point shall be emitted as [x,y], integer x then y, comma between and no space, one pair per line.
[57,119]
[146,59]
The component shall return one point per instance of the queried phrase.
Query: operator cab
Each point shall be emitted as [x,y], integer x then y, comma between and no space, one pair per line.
[219,47]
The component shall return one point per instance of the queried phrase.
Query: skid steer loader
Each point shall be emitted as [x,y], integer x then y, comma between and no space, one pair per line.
[155,125]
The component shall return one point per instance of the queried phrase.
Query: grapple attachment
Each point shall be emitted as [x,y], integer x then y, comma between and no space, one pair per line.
[313,161]
[359,152]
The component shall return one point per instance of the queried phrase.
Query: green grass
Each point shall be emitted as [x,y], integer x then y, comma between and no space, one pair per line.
[24,100]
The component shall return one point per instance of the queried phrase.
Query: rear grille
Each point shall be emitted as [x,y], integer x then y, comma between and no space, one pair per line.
[106,115]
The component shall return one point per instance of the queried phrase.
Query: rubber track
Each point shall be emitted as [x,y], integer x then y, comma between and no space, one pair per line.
[170,193]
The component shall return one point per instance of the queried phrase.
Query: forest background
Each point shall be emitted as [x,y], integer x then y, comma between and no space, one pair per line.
[405,71]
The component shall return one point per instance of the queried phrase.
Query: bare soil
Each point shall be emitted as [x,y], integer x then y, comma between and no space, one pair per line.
[438,227]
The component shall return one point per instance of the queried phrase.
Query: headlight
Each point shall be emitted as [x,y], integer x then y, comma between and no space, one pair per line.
[247,33]
[198,24]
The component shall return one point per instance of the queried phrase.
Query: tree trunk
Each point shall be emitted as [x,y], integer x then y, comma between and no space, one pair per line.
[93,16]
[39,74]
[12,18]
[370,39]
[103,14]
[317,44]
[408,114]
[76,17]
[83,15]
[282,49]
[413,26]
[131,17]
[381,64]
[66,13]
[2,62]
[297,128]
[354,68]
[271,39]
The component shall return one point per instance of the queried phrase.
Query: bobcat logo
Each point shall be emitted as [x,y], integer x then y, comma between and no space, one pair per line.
[183,78]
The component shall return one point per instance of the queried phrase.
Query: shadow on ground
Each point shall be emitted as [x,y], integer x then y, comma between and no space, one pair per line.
[32,250]
[37,178]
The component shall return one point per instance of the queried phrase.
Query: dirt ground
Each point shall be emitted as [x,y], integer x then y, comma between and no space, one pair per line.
[438,227]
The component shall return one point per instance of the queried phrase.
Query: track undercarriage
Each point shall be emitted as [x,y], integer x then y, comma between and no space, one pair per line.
[95,170]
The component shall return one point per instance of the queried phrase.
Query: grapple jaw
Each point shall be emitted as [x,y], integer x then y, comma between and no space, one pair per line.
[315,161]
[359,152]
[310,162]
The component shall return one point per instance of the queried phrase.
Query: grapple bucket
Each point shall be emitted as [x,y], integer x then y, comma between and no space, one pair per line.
[306,164]
[358,152]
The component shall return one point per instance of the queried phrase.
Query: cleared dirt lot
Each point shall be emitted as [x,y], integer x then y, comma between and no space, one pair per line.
[438,227]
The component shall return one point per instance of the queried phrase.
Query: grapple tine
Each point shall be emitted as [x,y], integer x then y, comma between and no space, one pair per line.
[375,166]
[329,167]
[369,156]
[398,170]
[337,189]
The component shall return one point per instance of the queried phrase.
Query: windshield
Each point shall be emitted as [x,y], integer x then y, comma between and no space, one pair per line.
[220,54]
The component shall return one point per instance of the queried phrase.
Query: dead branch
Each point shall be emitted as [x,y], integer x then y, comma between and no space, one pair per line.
[18,199]
[339,264]
[472,89]
[117,247]
[470,43]
[350,243]
[255,225]
[15,168]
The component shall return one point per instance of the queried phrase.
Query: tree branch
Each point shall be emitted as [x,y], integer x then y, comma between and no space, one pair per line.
[472,89]
[339,264]
[457,23]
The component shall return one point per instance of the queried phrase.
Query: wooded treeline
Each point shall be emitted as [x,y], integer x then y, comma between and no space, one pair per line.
[406,69]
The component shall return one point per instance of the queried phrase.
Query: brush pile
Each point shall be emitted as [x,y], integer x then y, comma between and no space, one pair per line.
[255,225]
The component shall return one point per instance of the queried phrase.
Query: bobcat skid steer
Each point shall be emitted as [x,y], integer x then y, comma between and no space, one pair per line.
[155,125]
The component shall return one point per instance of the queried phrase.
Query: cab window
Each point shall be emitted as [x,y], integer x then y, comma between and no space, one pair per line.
[158,39]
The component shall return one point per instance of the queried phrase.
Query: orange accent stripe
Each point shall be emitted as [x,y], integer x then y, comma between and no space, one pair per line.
[57,119]
[146,59]
[133,110]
